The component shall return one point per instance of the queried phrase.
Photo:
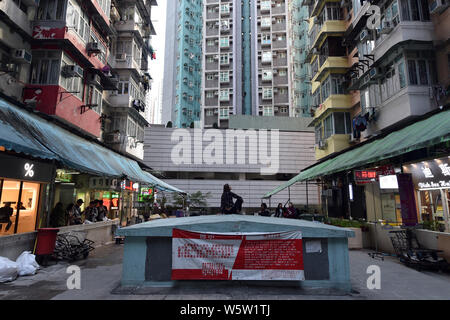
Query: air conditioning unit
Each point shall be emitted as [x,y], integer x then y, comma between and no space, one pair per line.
[438,6]
[121,57]
[364,35]
[93,47]
[274,71]
[386,27]
[113,137]
[94,79]
[22,55]
[72,71]
[322,144]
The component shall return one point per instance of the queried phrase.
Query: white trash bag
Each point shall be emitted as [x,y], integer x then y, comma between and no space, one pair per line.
[26,264]
[8,270]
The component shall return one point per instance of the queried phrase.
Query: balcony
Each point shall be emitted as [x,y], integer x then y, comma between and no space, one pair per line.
[333,102]
[130,26]
[404,31]
[16,16]
[330,27]
[332,64]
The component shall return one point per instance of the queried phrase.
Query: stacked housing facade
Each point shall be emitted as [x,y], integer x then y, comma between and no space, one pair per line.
[83,62]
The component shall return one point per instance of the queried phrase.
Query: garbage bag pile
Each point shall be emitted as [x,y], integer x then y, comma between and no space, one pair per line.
[24,265]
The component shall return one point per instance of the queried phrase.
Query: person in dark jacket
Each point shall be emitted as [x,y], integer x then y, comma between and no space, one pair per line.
[5,215]
[279,210]
[264,212]
[226,203]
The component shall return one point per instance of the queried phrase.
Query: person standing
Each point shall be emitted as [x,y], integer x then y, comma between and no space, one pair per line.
[90,214]
[5,216]
[102,211]
[226,204]
[75,213]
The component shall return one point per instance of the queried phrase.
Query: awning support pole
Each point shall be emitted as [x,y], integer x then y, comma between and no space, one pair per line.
[307,201]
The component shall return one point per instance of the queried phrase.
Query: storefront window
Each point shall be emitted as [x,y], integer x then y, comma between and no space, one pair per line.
[18,206]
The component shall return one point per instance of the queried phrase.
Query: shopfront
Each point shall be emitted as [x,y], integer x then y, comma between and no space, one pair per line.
[23,184]
[432,185]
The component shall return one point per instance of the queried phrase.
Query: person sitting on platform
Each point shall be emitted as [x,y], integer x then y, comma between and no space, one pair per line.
[290,212]
[226,204]
[264,212]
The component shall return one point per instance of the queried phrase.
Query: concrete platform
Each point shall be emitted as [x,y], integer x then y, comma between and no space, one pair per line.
[148,249]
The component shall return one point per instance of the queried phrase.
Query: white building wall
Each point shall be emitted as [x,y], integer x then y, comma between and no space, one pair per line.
[250,190]
[296,152]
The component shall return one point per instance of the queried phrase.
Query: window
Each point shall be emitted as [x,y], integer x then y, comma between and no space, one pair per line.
[225,8]
[95,99]
[50,10]
[224,42]
[266,22]
[328,126]
[224,76]
[131,128]
[283,109]
[224,113]
[224,59]
[45,67]
[210,43]
[415,10]
[319,133]
[209,59]
[209,94]
[342,123]
[23,218]
[78,21]
[282,73]
[265,5]
[265,38]
[267,93]
[209,76]
[268,111]
[224,95]
[333,11]
[209,113]
[412,72]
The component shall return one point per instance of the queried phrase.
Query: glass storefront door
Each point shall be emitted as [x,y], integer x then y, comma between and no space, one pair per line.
[434,206]
[19,203]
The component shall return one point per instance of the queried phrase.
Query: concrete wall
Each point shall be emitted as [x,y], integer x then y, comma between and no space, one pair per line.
[435,240]
[101,233]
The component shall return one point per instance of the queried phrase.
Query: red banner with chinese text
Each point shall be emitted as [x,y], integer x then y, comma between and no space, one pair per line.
[251,256]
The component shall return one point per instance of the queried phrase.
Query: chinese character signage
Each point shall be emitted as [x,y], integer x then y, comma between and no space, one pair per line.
[365,176]
[432,174]
[266,256]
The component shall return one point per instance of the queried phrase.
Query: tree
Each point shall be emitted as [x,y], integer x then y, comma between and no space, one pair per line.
[194,200]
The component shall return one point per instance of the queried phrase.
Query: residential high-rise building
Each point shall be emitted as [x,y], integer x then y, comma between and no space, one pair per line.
[182,67]
[130,52]
[299,67]
[82,62]
[369,76]
[246,63]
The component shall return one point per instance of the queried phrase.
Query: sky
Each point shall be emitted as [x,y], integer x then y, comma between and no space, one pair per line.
[158,18]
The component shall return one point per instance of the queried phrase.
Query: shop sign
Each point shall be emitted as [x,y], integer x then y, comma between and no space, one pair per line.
[114,201]
[432,174]
[146,195]
[25,169]
[266,256]
[129,185]
[365,176]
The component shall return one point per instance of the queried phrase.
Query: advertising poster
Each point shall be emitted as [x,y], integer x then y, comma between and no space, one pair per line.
[208,256]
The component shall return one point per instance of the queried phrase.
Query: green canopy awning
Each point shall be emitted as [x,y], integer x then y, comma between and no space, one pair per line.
[424,133]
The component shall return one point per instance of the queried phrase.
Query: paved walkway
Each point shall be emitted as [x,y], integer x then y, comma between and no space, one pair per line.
[101,274]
